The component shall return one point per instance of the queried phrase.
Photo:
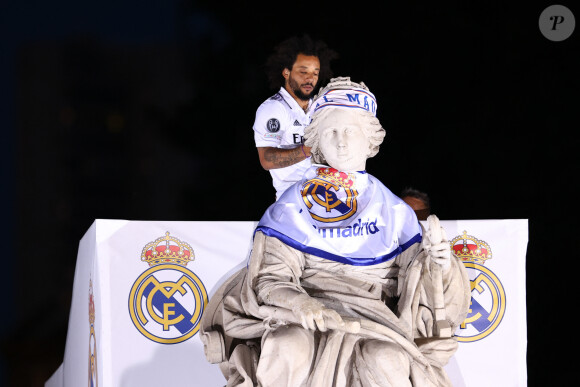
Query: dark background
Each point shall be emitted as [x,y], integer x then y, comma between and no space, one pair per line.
[143,110]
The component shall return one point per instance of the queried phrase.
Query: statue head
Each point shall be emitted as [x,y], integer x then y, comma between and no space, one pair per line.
[344,131]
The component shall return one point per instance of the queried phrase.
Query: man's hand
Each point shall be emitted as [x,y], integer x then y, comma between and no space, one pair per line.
[274,158]
[435,242]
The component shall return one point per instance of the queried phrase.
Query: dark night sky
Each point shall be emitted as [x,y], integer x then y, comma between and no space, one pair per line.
[143,110]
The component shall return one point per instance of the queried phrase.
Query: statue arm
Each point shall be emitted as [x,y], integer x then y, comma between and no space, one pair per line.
[451,279]
[433,285]
[457,292]
[276,282]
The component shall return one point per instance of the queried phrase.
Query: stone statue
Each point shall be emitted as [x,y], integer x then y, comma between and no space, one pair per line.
[344,286]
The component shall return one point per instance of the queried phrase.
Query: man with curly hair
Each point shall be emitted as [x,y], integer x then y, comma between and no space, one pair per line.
[295,69]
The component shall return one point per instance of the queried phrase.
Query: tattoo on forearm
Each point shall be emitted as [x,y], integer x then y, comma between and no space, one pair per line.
[283,157]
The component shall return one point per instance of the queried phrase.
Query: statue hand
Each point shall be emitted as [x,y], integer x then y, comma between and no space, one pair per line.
[435,242]
[312,314]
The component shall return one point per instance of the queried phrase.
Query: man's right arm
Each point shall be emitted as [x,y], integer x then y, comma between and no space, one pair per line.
[273,158]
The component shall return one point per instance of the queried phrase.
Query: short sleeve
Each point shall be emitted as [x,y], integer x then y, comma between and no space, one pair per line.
[269,125]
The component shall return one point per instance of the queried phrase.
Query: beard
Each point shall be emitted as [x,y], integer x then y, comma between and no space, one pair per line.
[295,87]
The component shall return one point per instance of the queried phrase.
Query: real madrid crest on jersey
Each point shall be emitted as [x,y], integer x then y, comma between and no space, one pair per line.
[330,196]
[167,300]
[488,298]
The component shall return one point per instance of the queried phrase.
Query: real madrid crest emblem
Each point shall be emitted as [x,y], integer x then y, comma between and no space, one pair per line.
[488,298]
[330,196]
[167,301]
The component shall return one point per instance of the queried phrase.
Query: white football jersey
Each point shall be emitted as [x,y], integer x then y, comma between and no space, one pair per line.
[280,123]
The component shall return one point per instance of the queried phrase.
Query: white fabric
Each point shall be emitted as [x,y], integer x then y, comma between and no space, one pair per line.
[280,123]
[347,98]
[358,221]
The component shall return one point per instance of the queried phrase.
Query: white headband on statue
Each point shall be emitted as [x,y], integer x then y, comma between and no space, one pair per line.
[346,98]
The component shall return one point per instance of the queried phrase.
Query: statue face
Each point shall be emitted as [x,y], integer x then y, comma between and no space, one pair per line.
[342,141]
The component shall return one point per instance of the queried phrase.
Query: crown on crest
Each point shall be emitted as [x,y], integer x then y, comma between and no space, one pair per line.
[468,248]
[335,176]
[167,249]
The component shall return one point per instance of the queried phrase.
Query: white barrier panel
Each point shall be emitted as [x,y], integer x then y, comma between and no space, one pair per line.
[493,338]
[140,288]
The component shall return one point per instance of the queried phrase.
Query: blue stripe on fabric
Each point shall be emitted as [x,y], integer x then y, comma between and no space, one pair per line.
[333,257]
[416,239]
[338,104]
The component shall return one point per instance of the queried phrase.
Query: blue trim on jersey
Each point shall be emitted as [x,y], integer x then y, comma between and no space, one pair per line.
[337,258]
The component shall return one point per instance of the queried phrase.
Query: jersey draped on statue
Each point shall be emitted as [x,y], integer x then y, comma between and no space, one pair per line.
[350,218]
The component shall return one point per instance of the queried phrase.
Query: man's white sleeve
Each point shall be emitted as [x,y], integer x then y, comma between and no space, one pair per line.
[271,121]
